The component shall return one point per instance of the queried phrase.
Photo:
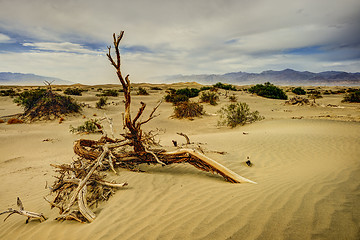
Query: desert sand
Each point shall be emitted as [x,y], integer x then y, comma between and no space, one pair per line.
[306,164]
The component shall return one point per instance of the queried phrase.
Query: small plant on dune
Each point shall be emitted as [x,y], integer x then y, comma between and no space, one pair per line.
[73,91]
[101,103]
[8,92]
[352,97]
[209,97]
[315,95]
[237,114]
[233,98]
[268,90]
[45,104]
[224,86]
[142,91]
[181,95]
[108,93]
[156,88]
[188,110]
[89,126]
[299,91]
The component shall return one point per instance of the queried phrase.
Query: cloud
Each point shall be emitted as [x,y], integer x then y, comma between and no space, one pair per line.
[187,37]
[4,38]
[60,47]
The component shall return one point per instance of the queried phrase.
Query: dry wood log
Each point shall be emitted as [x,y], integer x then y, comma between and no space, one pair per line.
[21,211]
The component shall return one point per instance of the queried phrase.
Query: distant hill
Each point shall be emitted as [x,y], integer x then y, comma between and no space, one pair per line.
[284,77]
[9,78]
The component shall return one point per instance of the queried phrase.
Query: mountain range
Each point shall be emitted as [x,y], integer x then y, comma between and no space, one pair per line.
[284,77]
[27,79]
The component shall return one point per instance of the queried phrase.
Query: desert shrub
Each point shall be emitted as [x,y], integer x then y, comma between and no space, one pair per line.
[205,88]
[232,98]
[224,86]
[352,97]
[8,92]
[142,91]
[189,92]
[102,102]
[315,95]
[155,88]
[209,97]
[180,95]
[109,93]
[268,90]
[299,91]
[39,103]
[14,121]
[188,110]
[89,126]
[237,114]
[73,91]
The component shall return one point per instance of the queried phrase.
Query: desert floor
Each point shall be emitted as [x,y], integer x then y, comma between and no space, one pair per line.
[306,163]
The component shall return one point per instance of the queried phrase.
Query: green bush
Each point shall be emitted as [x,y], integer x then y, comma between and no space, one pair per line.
[89,126]
[205,88]
[315,95]
[209,97]
[268,90]
[299,91]
[40,103]
[73,91]
[237,114]
[155,88]
[189,92]
[224,86]
[8,92]
[232,98]
[180,95]
[28,99]
[102,102]
[108,93]
[188,110]
[352,97]
[142,91]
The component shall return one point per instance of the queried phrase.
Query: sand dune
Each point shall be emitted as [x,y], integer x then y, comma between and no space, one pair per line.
[307,170]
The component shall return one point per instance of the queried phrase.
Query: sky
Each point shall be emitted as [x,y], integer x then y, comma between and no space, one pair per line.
[68,39]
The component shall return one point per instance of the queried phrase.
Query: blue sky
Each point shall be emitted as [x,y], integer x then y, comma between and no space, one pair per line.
[68,39]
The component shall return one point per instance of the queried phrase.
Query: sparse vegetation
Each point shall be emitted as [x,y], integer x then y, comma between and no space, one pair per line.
[237,114]
[209,97]
[155,88]
[352,97]
[8,92]
[142,91]
[181,95]
[73,91]
[268,90]
[232,98]
[299,91]
[188,110]
[44,104]
[224,86]
[315,95]
[101,103]
[89,126]
[108,93]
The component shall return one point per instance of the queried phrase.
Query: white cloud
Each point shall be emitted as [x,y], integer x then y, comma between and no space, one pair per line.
[203,36]
[4,38]
[61,47]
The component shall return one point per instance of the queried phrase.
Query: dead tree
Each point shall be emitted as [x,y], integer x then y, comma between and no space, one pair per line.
[83,182]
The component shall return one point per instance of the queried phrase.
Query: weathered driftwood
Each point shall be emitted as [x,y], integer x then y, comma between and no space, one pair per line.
[21,211]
